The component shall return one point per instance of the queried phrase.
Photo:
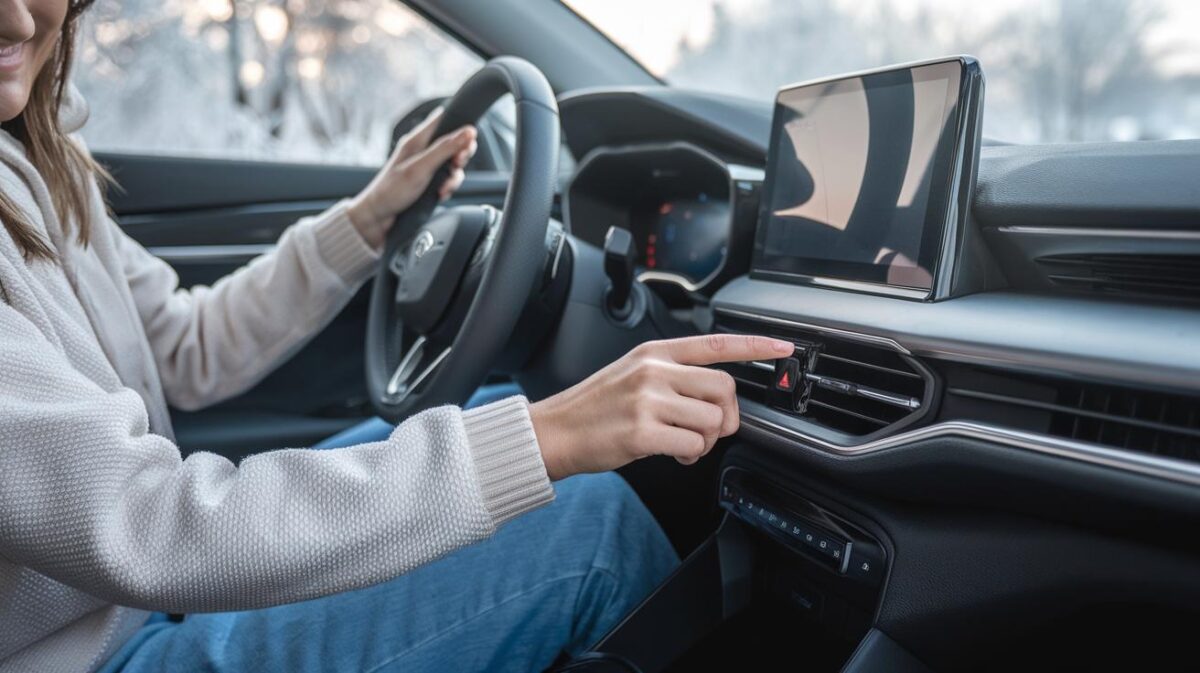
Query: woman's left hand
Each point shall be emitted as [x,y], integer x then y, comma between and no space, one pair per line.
[407,173]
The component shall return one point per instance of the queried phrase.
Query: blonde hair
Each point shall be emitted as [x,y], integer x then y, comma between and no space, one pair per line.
[64,165]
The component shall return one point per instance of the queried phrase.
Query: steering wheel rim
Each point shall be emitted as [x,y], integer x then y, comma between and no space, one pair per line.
[448,373]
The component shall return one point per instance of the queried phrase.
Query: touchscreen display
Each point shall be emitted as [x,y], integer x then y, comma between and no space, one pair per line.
[859,176]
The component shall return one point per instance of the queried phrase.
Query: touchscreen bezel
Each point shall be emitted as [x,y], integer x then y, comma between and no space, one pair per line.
[946,212]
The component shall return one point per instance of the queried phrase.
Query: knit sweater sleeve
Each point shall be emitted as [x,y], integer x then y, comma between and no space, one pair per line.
[91,499]
[211,343]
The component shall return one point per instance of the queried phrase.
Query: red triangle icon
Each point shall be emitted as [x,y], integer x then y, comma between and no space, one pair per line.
[785,381]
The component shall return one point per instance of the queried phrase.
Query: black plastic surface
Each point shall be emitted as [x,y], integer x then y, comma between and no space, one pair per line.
[1134,185]
[991,542]
[879,654]
[736,129]
[689,605]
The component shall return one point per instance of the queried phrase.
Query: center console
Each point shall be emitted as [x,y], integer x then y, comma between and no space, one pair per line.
[787,575]
[850,560]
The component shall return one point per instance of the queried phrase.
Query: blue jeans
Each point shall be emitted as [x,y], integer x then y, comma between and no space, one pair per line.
[377,429]
[554,580]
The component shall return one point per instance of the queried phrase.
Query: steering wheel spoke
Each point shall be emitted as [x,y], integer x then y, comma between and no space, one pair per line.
[413,370]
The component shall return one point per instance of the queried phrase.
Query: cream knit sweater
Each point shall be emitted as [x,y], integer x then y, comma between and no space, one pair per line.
[100,518]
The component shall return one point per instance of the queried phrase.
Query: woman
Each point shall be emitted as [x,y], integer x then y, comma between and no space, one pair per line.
[299,559]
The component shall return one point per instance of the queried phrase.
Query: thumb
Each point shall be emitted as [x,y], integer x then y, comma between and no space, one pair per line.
[442,150]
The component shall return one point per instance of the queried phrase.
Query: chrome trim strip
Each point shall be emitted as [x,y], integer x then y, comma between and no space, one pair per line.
[668,277]
[429,369]
[192,253]
[1153,466]
[845,334]
[1152,234]
[404,370]
[863,286]
[844,284]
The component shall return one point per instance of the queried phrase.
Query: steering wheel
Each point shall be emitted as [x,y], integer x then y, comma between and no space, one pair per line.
[452,285]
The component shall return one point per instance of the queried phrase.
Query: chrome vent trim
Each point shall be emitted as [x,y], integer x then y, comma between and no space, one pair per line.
[860,386]
[1162,468]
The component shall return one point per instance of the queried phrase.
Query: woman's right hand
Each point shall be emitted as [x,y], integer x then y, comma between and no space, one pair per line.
[658,399]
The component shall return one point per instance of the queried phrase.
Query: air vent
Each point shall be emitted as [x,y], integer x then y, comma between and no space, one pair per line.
[1169,276]
[1156,423]
[858,388]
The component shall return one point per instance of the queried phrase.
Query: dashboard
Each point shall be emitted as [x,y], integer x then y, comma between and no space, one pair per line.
[1018,442]
[1045,290]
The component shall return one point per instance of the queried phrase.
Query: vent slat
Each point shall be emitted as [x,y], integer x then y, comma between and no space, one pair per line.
[1152,285]
[1103,417]
[1164,275]
[1159,423]
[1128,263]
[855,414]
[879,368]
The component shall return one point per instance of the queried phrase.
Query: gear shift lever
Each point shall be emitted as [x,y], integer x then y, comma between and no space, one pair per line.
[619,258]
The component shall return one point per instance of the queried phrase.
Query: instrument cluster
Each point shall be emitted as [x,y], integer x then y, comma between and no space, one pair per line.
[682,205]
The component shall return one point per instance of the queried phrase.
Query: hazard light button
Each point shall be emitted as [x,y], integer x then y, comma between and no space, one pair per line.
[789,389]
[787,375]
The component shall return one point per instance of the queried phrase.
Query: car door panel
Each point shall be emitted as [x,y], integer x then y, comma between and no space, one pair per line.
[207,217]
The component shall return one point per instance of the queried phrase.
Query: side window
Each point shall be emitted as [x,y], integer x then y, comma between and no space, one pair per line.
[314,81]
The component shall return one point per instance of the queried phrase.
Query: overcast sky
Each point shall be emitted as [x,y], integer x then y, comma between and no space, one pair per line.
[653,29]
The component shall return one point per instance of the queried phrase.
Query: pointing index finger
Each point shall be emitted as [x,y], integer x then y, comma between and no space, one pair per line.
[713,348]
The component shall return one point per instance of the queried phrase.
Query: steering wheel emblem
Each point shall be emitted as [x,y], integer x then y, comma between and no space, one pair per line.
[422,244]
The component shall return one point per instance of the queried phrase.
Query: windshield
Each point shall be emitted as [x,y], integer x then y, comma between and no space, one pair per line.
[1057,70]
